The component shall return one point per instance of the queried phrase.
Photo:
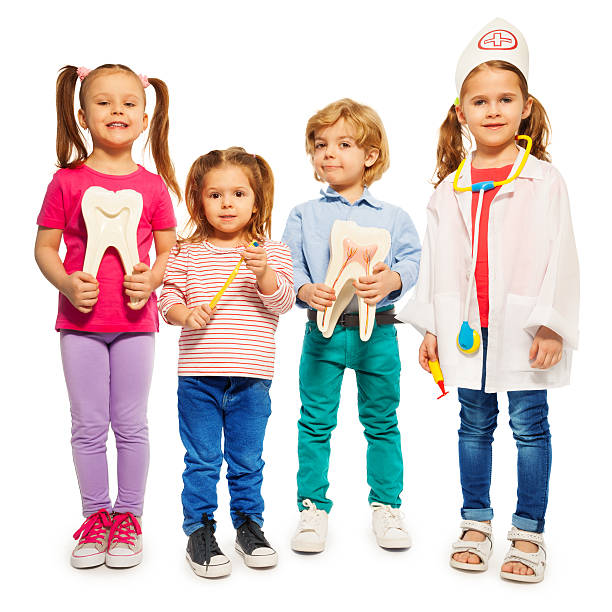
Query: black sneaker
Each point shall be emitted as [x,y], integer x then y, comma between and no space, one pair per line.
[204,554]
[253,546]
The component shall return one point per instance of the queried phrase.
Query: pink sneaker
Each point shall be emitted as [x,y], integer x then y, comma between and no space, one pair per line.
[125,541]
[93,541]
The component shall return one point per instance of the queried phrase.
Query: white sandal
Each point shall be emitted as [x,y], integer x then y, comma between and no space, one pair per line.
[481,549]
[536,561]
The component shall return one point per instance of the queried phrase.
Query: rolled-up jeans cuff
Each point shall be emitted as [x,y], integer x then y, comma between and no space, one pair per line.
[526,524]
[477,514]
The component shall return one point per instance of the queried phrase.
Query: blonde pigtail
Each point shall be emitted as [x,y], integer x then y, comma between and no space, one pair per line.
[451,149]
[262,224]
[537,126]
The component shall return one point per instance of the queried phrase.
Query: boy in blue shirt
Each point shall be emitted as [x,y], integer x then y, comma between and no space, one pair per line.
[348,147]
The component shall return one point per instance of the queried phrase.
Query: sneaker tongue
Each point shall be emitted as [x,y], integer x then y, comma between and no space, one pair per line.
[253,535]
[207,543]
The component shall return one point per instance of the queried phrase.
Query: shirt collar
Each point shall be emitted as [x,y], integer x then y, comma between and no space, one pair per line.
[331,195]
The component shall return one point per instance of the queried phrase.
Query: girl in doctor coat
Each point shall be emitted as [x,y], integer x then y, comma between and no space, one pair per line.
[504,260]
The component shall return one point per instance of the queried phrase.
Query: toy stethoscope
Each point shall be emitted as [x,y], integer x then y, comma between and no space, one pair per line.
[468,339]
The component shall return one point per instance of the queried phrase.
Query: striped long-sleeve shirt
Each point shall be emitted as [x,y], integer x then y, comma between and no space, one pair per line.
[239,338]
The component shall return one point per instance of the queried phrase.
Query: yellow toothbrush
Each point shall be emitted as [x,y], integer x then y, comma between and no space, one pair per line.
[227,283]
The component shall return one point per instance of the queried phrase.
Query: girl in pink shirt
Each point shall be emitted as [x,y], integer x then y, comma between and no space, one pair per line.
[107,323]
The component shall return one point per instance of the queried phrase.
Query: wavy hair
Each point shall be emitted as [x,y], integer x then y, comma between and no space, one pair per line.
[369,133]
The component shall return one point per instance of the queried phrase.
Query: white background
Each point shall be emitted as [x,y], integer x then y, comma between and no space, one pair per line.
[250,74]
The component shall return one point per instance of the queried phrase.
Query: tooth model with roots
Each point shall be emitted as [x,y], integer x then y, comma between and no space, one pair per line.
[111,219]
[354,251]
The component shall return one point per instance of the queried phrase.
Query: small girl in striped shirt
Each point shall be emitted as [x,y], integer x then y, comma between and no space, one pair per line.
[226,353]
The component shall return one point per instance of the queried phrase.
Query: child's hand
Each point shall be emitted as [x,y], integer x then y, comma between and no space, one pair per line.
[428,351]
[82,290]
[256,260]
[378,285]
[198,317]
[546,349]
[317,295]
[140,284]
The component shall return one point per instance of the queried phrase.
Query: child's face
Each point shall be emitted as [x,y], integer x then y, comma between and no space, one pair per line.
[492,106]
[338,159]
[229,202]
[114,110]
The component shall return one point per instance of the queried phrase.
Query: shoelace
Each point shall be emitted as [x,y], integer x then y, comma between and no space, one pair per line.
[252,533]
[392,517]
[93,530]
[309,518]
[205,537]
[124,530]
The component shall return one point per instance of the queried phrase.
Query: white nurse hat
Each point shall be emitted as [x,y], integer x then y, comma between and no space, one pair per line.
[498,40]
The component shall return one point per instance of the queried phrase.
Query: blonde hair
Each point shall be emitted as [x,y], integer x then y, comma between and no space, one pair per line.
[261,181]
[369,133]
[70,144]
[451,148]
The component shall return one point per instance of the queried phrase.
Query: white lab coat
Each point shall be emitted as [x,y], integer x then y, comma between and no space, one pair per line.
[533,279]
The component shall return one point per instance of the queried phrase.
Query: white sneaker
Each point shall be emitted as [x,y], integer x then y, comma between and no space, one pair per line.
[389,527]
[311,530]
[125,541]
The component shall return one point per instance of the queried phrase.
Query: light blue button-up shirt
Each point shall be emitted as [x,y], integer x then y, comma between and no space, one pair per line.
[309,227]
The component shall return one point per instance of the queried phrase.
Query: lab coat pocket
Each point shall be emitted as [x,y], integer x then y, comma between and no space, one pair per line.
[516,340]
[448,322]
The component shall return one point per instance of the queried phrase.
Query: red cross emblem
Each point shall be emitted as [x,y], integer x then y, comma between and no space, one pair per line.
[498,40]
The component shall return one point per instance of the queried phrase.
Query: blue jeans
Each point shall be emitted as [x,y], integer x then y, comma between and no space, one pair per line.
[528,419]
[239,407]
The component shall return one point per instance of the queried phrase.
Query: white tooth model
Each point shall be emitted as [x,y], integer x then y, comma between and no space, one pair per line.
[354,251]
[111,219]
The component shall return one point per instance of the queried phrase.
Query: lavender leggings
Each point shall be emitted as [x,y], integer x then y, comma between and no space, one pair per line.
[108,376]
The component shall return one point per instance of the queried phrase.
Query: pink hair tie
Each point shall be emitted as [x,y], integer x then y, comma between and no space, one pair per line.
[82,72]
[144,80]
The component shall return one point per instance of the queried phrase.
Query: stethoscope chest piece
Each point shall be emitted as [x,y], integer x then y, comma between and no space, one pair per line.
[468,339]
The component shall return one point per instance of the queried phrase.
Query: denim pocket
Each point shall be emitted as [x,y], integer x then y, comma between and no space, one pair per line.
[265,382]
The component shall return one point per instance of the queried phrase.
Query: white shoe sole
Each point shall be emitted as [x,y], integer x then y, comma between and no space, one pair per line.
[521,577]
[87,561]
[211,571]
[394,542]
[310,547]
[470,567]
[123,560]
[269,560]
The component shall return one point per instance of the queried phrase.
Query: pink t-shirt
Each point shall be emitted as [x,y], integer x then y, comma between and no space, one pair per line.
[61,209]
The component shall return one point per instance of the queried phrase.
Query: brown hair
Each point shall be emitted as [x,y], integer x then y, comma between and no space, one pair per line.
[451,149]
[70,141]
[369,133]
[261,181]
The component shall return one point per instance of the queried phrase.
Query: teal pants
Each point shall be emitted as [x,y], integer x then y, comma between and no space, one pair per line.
[377,369]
